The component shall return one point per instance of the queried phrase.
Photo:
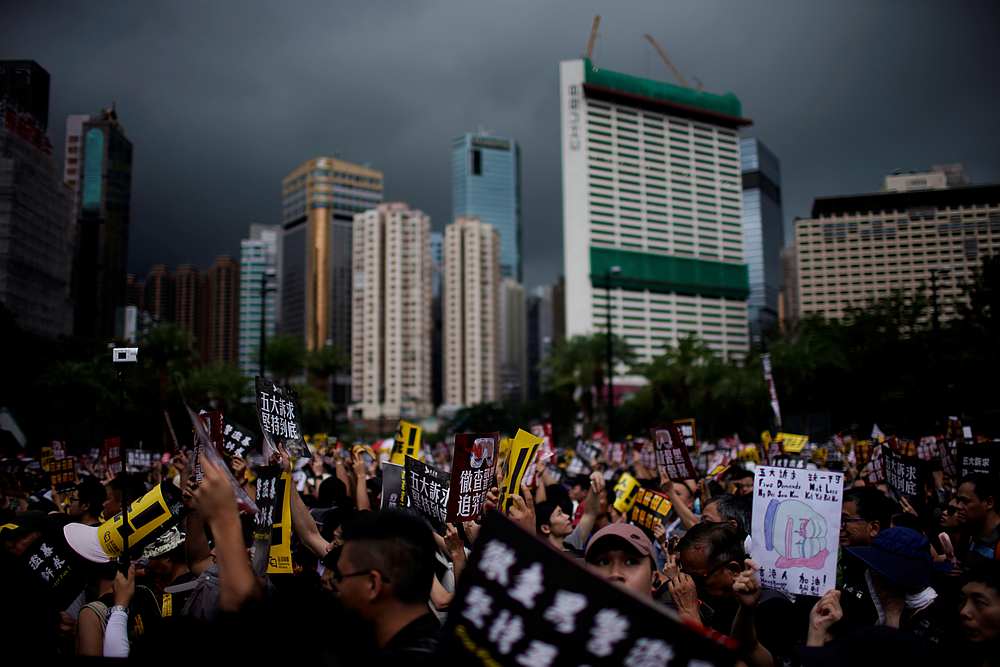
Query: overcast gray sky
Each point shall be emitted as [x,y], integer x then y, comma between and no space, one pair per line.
[222,99]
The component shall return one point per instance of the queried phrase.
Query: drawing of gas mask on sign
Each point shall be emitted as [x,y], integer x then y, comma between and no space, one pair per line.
[797,533]
[482,453]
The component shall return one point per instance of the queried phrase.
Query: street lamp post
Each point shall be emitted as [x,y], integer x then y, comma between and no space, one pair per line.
[264,289]
[609,354]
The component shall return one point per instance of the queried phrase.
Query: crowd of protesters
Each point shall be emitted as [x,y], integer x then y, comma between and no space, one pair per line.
[918,582]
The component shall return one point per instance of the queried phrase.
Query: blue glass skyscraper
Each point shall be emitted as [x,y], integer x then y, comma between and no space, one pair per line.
[486,183]
[763,232]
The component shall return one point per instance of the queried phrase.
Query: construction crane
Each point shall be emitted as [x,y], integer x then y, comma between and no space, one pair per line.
[593,36]
[666,60]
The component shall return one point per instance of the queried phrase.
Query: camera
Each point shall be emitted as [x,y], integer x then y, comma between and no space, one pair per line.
[125,355]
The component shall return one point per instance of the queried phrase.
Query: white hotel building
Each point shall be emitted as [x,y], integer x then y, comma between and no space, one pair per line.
[652,186]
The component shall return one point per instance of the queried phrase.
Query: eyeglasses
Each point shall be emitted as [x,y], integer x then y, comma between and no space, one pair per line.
[338,577]
[700,579]
[844,518]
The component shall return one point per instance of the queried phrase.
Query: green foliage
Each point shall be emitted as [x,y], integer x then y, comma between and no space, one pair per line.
[284,357]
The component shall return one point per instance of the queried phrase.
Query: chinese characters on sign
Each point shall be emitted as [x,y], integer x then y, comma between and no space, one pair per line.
[648,509]
[406,442]
[672,456]
[272,523]
[904,475]
[473,472]
[796,528]
[277,412]
[236,440]
[520,602]
[425,489]
[689,433]
[112,454]
[982,458]
[62,473]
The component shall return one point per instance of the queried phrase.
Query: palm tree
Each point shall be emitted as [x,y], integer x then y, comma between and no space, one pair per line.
[577,367]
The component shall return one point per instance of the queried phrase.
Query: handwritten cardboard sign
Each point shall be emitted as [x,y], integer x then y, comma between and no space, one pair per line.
[796,528]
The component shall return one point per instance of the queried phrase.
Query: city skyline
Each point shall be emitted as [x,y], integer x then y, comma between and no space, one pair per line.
[837,118]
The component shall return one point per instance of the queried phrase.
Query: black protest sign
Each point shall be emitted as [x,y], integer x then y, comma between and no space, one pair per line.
[672,456]
[983,458]
[55,564]
[649,509]
[62,473]
[785,461]
[278,415]
[392,485]
[267,499]
[425,489]
[473,472]
[236,440]
[520,602]
[905,476]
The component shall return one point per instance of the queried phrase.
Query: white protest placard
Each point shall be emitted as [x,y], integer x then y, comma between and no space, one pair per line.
[796,528]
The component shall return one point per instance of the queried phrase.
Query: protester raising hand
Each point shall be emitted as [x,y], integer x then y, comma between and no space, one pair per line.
[522,509]
[124,587]
[824,614]
[685,595]
[215,501]
[746,585]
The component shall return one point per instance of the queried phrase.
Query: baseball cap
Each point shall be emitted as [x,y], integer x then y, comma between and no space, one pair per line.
[621,532]
[24,523]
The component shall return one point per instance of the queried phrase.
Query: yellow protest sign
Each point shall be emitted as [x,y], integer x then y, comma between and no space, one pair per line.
[521,452]
[792,443]
[279,558]
[407,443]
[625,492]
[765,439]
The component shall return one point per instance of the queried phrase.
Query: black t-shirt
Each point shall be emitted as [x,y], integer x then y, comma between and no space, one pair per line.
[415,644]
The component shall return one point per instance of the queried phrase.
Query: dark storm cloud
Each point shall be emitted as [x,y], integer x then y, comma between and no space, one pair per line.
[222,99]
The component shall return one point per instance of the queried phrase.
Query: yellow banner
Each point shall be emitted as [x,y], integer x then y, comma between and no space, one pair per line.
[520,453]
[148,517]
[792,443]
[407,443]
[625,492]
[279,560]
[765,439]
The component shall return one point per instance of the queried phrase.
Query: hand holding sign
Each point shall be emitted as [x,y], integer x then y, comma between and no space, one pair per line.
[214,497]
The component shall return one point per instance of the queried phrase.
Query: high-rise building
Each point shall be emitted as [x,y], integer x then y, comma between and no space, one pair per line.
[471,313]
[486,184]
[651,210]
[788,304]
[542,321]
[391,347]
[102,229]
[135,290]
[923,237]
[35,207]
[763,232]
[258,294]
[24,92]
[72,152]
[188,311]
[158,298]
[319,201]
[513,342]
[220,290]
[437,316]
